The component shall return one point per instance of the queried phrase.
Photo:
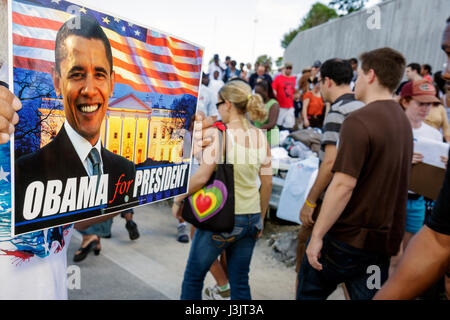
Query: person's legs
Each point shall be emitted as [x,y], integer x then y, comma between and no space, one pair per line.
[366,283]
[303,235]
[218,273]
[313,284]
[91,234]
[130,225]
[341,263]
[362,272]
[281,115]
[221,290]
[415,217]
[239,255]
[218,270]
[202,254]
[182,233]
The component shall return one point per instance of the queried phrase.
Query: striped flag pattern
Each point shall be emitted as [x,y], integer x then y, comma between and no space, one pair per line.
[146,60]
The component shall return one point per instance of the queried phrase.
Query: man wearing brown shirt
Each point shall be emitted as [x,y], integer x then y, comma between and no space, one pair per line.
[361,223]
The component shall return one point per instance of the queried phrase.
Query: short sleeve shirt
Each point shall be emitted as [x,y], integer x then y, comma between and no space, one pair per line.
[285,88]
[339,110]
[375,147]
[316,104]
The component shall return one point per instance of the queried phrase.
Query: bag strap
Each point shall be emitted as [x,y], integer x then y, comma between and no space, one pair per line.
[222,128]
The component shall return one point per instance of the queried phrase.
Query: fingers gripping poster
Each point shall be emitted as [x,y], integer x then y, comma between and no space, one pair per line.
[107,113]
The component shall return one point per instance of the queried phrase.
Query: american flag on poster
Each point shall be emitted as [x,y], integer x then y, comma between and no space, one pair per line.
[144,59]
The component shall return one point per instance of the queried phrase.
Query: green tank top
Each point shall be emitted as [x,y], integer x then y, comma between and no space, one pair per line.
[273,135]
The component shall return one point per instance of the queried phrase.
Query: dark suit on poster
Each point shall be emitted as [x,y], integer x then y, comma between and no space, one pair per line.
[58,160]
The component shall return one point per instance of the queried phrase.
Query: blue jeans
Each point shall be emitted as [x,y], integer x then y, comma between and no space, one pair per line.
[206,248]
[342,263]
[103,229]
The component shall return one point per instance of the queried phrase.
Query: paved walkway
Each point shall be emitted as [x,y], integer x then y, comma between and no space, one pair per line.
[152,267]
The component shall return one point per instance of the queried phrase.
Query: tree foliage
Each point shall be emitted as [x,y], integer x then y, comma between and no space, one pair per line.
[265,60]
[318,14]
[30,87]
[347,6]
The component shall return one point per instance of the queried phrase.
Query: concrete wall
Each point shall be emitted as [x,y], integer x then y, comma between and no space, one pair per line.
[413,27]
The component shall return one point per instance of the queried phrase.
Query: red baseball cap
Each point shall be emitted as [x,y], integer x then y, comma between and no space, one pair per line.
[420,90]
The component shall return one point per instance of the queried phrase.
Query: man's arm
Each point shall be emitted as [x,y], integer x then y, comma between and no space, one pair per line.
[336,199]
[425,260]
[305,112]
[322,181]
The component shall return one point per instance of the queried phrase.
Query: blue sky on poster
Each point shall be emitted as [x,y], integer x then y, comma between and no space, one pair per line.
[224,27]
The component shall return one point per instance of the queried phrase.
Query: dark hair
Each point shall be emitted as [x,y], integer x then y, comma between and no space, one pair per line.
[404,100]
[267,87]
[427,67]
[414,66]
[338,70]
[388,65]
[81,26]
[448,20]
[353,60]
[440,83]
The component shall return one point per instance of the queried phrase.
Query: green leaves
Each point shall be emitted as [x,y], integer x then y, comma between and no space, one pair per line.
[318,14]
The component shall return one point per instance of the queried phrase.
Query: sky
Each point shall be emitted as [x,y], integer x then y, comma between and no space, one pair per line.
[241,29]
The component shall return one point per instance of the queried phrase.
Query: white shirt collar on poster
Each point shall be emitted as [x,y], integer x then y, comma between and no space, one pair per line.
[83,147]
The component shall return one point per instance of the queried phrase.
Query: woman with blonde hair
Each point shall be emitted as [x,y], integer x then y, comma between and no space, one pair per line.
[247,149]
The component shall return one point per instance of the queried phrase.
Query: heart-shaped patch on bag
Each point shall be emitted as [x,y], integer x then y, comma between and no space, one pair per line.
[209,200]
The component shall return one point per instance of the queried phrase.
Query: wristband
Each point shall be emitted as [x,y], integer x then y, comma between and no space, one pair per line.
[310,205]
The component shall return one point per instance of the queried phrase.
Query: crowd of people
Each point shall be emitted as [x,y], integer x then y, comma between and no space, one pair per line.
[361,190]
[360,211]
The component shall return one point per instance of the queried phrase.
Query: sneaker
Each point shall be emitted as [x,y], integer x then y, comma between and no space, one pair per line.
[182,235]
[213,293]
[133,232]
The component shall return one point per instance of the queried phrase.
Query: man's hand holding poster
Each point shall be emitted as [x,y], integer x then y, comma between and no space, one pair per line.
[107,113]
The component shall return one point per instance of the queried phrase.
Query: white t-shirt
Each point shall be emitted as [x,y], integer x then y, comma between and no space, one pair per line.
[33,266]
[427,131]
[207,100]
[213,67]
[215,86]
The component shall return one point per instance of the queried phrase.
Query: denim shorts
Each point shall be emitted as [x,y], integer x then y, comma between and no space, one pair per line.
[415,215]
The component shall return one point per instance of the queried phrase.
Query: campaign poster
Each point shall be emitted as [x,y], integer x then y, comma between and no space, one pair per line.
[108,107]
